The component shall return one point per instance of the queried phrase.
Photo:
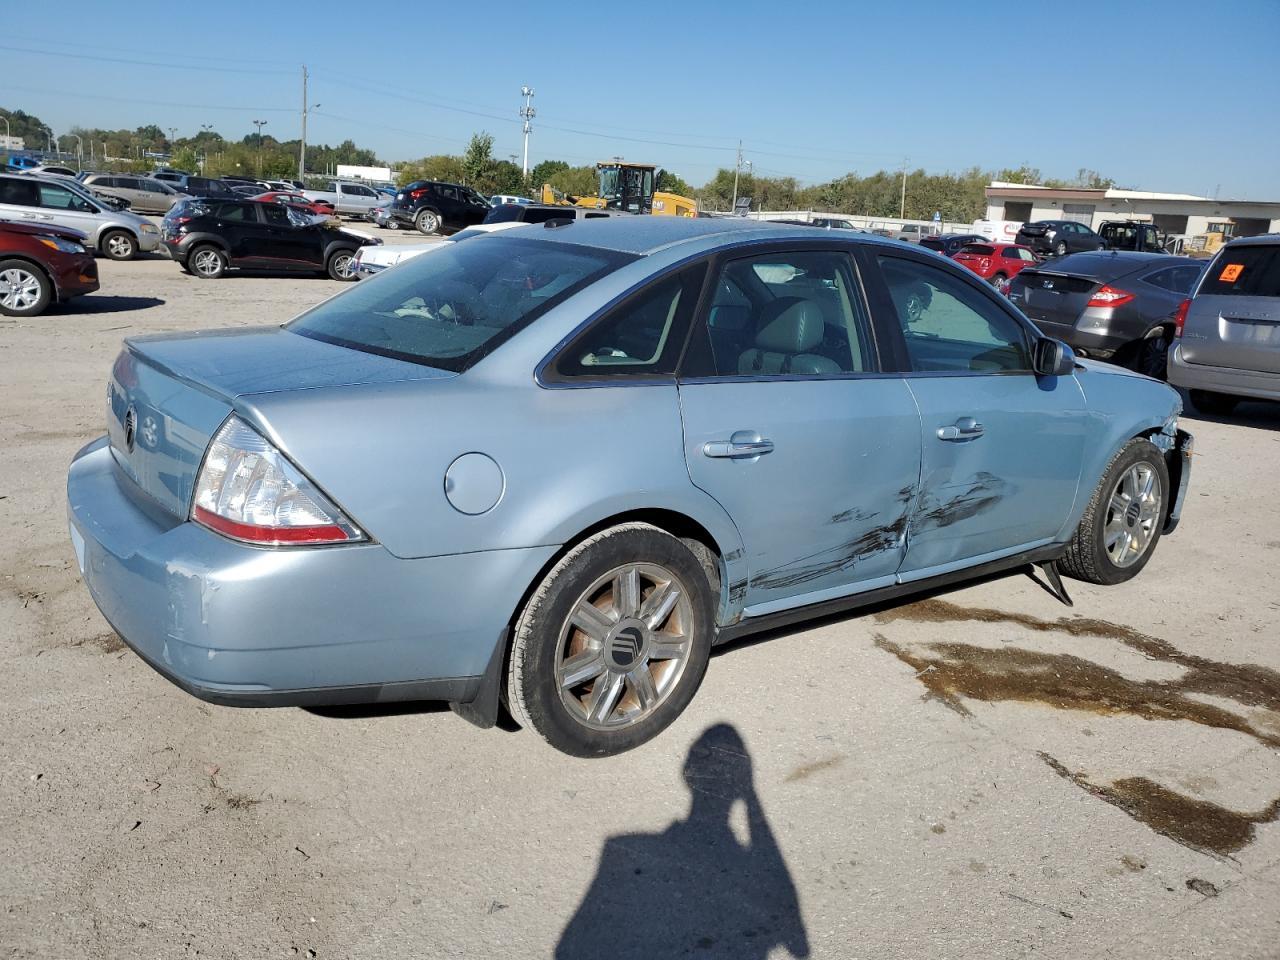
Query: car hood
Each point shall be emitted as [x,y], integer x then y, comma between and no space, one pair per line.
[388,256]
[9,226]
[239,362]
[1110,369]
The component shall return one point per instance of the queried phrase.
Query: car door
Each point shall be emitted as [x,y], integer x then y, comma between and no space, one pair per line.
[157,198]
[247,238]
[790,425]
[1001,448]
[131,189]
[290,242]
[66,208]
[20,200]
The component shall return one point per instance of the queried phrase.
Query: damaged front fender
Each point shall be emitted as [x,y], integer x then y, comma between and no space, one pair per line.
[1178,446]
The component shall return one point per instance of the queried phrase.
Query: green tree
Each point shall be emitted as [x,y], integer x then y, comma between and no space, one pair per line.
[575,181]
[438,167]
[1024,174]
[671,183]
[544,171]
[477,162]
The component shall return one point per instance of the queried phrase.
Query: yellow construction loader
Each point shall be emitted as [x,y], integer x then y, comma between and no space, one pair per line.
[629,187]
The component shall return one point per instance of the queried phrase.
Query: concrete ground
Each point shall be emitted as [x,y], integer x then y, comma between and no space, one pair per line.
[982,774]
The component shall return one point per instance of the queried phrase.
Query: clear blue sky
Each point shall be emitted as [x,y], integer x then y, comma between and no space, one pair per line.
[1179,96]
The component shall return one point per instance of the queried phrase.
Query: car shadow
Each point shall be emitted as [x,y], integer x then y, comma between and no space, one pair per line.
[366,711]
[1261,414]
[99,304]
[697,887]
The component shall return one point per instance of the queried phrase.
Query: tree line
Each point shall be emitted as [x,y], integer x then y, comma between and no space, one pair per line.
[958,197]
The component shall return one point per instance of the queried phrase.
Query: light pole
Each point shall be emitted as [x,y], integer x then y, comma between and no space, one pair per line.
[79,150]
[49,131]
[7,131]
[527,114]
[902,209]
[259,124]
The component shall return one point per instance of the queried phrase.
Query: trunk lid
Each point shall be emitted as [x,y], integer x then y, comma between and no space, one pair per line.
[1034,229]
[1234,318]
[168,395]
[1052,296]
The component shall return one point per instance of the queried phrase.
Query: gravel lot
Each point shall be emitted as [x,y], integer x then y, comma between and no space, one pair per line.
[985,773]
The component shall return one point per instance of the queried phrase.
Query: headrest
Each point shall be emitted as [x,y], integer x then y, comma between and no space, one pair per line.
[790,325]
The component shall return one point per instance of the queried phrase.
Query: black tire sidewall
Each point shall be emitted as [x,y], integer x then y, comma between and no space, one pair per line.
[540,692]
[222,261]
[46,288]
[331,269]
[419,218]
[1142,451]
[106,245]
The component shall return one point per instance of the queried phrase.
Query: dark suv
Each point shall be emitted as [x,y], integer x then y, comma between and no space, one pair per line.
[1130,235]
[1057,238]
[208,236]
[432,206]
[203,187]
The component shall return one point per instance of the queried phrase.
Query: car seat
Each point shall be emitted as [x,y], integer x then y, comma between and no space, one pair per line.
[790,328]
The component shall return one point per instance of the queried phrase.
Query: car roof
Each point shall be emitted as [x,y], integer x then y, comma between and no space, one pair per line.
[644,235]
[1110,263]
[1261,240]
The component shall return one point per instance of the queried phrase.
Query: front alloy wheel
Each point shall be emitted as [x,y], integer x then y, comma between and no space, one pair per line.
[24,292]
[613,644]
[1133,513]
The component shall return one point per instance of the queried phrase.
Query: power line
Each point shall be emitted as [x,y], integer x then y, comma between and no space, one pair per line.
[78,95]
[139,63]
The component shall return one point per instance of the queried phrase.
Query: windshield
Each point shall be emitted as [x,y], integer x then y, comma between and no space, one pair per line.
[609,183]
[452,308]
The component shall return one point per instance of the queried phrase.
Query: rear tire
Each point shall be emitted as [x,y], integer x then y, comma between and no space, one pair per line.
[118,245]
[613,644]
[25,291]
[1060,249]
[998,279]
[207,262]
[428,222]
[1122,523]
[1214,404]
[1151,357]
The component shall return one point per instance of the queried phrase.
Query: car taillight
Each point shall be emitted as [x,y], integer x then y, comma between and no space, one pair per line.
[1110,297]
[418,193]
[248,491]
[1180,318]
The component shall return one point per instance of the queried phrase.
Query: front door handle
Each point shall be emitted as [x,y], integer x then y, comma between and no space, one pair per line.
[966,428]
[743,445]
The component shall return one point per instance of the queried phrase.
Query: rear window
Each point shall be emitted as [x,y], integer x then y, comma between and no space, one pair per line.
[981,249]
[933,243]
[1243,272]
[455,306]
[503,213]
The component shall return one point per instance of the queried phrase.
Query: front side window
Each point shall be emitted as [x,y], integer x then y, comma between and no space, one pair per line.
[59,198]
[642,337]
[452,308]
[950,325]
[787,314]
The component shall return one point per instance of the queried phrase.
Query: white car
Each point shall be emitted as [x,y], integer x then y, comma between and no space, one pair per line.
[371,260]
[500,198]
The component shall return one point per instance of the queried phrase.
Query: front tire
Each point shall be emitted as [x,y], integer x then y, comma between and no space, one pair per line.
[614,642]
[341,266]
[119,245]
[24,290]
[1123,521]
[427,221]
[1214,404]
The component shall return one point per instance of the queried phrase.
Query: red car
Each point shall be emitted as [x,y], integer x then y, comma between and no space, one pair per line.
[40,265]
[317,208]
[996,262]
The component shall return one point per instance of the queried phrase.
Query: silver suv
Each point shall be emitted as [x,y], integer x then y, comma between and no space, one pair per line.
[144,194]
[118,234]
[1227,340]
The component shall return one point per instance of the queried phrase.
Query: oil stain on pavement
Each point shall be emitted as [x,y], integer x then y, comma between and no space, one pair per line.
[953,672]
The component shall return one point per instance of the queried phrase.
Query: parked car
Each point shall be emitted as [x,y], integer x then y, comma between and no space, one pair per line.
[1130,235]
[498,198]
[348,199]
[247,189]
[995,262]
[144,194]
[949,244]
[541,213]
[117,234]
[433,206]
[1112,306]
[1057,238]
[17,163]
[835,223]
[387,498]
[52,169]
[208,237]
[373,260]
[1227,337]
[381,216]
[911,232]
[296,201]
[205,188]
[41,264]
[171,177]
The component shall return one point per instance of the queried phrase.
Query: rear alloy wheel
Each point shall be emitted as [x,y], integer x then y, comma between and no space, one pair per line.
[999,279]
[207,263]
[1124,519]
[427,221]
[1152,357]
[1214,404]
[613,644]
[1060,249]
[24,290]
[342,265]
[119,245]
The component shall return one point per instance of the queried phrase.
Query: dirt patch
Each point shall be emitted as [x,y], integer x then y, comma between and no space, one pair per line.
[108,642]
[809,769]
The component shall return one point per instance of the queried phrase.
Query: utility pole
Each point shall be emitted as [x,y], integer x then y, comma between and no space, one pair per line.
[173,135]
[526,114]
[737,168]
[902,210]
[79,150]
[259,124]
[306,108]
[49,131]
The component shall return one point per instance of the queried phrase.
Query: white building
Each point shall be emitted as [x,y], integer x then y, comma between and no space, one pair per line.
[1176,214]
[12,143]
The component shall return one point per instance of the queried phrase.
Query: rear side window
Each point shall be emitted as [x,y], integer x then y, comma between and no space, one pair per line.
[981,249]
[23,193]
[642,337]
[949,325]
[1244,272]
[1176,279]
[534,215]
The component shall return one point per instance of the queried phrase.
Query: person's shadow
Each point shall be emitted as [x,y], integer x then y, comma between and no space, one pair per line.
[695,889]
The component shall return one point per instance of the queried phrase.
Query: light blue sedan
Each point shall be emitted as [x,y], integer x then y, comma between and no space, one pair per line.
[549,469]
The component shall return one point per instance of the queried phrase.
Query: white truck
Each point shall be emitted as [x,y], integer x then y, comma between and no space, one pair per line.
[348,199]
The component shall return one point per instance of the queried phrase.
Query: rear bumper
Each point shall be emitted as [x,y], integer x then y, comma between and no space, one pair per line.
[1240,383]
[247,626]
[1097,341]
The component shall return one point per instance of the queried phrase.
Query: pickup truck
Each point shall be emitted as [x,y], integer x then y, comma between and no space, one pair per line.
[348,199]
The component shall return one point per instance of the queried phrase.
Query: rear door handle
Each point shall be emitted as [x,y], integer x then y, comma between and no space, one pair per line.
[966,428]
[743,445]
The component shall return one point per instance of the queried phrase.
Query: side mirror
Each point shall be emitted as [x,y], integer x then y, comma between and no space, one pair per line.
[1053,358]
